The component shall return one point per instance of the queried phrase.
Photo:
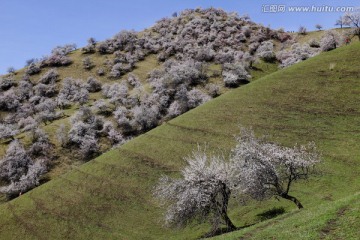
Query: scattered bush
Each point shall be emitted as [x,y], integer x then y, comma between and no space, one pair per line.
[33,69]
[6,83]
[8,131]
[91,47]
[103,108]
[213,90]
[234,74]
[9,100]
[50,77]
[330,40]
[87,63]
[134,81]
[117,92]
[41,146]
[46,90]
[27,181]
[15,163]
[196,98]
[73,91]
[27,124]
[302,30]
[314,43]
[100,72]
[266,51]
[318,27]
[296,54]
[93,85]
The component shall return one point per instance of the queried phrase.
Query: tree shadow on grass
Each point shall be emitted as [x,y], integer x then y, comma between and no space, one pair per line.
[221,231]
[274,212]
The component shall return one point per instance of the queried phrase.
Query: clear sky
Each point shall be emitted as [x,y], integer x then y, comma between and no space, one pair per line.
[31,28]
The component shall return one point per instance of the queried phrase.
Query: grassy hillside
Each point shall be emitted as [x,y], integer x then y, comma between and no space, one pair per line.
[176,65]
[110,197]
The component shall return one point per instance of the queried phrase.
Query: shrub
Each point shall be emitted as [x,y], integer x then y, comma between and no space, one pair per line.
[9,100]
[91,47]
[27,181]
[330,40]
[33,69]
[25,90]
[213,89]
[134,81]
[73,91]
[318,26]
[314,43]
[11,70]
[89,147]
[176,108]
[100,72]
[302,30]
[120,69]
[234,74]
[144,117]
[50,77]
[27,124]
[93,85]
[87,63]
[8,131]
[102,107]
[266,51]
[46,90]
[296,54]
[63,50]
[57,60]
[121,117]
[41,146]
[105,47]
[117,92]
[114,136]
[196,98]
[6,83]
[15,163]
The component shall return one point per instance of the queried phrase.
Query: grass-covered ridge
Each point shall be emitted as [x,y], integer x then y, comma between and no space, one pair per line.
[110,197]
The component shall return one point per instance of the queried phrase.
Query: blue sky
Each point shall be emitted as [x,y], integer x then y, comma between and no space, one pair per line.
[31,28]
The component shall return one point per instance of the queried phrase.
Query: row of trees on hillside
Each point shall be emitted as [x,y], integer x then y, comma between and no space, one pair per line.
[256,168]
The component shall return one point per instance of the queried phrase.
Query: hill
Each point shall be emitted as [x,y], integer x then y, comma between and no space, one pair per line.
[75,104]
[110,197]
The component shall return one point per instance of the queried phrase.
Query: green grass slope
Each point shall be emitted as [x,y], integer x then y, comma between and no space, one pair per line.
[110,197]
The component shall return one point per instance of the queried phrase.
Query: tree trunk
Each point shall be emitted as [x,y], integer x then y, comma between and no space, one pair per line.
[293,199]
[226,196]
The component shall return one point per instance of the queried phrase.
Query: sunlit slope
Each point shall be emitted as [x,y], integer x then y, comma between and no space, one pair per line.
[110,197]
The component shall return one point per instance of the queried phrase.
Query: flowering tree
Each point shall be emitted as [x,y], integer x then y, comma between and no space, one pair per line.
[203,192]
[318,27]
[353,19]
[8,131]
[266,169]
[330,40]
[15,163]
